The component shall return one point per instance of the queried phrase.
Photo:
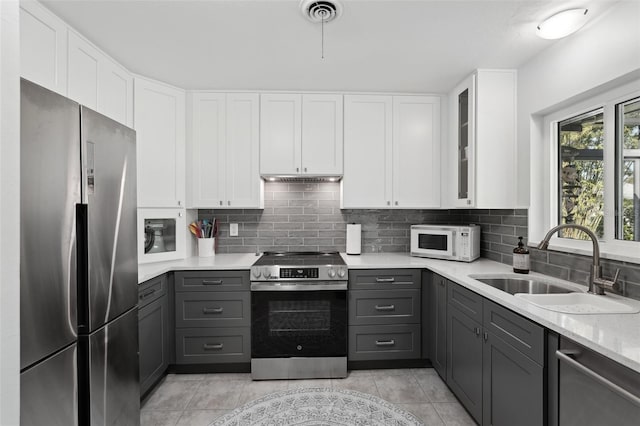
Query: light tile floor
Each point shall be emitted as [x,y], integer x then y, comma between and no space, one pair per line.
[198,399]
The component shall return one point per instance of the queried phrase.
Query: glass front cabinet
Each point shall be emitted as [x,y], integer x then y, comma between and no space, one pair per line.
[482,148]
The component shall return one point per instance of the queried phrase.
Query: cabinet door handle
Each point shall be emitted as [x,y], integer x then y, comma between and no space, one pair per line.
[212,310]
[214,346]
[385,280]
[220,202]
[485,336]
[211,282]
[441,283]
[228,203]
[305,170]
[476,330]
[297,169]
[385,342]
[388,203]
[385,308]
[147,293]
[396,203]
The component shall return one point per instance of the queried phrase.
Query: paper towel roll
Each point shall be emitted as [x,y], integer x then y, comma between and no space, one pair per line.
[354,238]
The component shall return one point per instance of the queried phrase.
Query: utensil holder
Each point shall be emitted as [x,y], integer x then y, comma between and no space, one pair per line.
[206,247]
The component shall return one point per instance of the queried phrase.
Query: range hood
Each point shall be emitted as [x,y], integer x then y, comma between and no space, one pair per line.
[300,178]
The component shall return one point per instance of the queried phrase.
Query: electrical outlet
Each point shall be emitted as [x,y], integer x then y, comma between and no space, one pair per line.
[233,230]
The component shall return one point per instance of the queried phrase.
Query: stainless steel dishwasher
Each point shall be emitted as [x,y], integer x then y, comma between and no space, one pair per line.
[595,390]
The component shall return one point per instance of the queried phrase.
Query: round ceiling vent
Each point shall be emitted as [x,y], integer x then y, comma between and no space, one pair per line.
[321,11]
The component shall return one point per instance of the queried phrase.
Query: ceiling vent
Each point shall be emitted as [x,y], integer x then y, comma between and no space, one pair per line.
[321,11]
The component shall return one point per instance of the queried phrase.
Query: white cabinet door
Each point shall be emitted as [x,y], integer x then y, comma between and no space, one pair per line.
[367,152]
[115,92]
[83,71]
[322,134]
[244,187]
[482,153]
[416,152]
[43,47]
[206,148]
[159,121]
[280,134]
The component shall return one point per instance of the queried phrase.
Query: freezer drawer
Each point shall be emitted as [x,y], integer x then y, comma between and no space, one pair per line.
[48,393]
[108,378]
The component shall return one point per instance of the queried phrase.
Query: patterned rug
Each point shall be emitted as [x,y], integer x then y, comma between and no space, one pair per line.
[316,407]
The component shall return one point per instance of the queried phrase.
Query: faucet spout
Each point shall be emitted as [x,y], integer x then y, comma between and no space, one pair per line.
[596,283]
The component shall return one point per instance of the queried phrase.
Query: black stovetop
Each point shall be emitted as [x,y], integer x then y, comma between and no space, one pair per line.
[299,258]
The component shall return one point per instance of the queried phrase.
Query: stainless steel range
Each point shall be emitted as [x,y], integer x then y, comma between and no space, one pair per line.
[299,316]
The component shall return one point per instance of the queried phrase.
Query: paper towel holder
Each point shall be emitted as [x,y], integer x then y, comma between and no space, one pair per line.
[354,238]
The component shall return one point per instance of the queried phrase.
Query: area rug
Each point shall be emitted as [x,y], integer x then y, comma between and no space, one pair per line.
[318,406]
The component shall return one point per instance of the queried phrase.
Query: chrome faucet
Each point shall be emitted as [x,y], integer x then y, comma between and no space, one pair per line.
[597,284]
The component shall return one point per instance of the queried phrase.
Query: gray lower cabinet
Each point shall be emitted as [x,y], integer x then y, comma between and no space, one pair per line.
[437,324]
[213,317]
[154,330]
[384,315]
[495,362]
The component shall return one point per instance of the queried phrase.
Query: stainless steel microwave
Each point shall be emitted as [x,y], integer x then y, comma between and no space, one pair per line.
[450,242]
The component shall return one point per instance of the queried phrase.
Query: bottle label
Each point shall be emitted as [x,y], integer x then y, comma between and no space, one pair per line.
[521,261]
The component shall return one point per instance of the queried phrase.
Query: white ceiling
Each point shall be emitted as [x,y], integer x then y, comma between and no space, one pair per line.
[376,45]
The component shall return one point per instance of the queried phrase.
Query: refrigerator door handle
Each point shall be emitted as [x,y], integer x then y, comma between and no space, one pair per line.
[82,277]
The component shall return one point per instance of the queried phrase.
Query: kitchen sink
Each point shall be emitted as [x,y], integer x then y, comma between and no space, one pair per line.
[513,285]
[581,303]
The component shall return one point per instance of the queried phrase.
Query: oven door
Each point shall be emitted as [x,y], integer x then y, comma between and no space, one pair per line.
[287,324]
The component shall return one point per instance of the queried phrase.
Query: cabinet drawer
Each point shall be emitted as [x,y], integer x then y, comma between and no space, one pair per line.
[466,301]
[519,332]
[380,279]
[384,342]
[151,290]
[384,307]
[213,345]
[219,309]
[212,280]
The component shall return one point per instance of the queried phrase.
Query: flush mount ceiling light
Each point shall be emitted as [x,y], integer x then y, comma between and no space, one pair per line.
[321,12]
[562,24]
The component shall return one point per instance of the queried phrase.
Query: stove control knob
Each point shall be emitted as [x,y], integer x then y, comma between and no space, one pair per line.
[267,273]
[342,273]
[331,273]
[256,272]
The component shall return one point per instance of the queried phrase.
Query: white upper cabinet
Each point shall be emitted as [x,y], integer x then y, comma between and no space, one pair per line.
[367,152]
[43,47]
[482,155]
[98,82]
[391,152]
[416,152]
[301,134]
[159,121]
[223,151]
[322,135]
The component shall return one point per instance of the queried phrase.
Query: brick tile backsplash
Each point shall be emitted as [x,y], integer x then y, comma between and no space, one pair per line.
[307,217]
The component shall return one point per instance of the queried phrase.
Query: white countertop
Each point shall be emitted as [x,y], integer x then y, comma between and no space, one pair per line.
[616,336]
[230,261]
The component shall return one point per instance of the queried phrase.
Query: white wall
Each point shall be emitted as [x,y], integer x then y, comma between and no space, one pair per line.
[603,54]
[9,214]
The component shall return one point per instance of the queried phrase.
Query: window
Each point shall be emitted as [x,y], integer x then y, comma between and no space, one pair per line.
[628,170]
[581,162]
[585,169]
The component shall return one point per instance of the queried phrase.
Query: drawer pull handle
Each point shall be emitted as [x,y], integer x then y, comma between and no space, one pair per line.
[385,280]
[147,293]
[215,346]
[385,308]
[211,282]
[385,342]
[212,310]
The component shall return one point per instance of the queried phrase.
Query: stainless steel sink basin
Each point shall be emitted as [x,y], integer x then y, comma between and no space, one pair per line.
[523,285]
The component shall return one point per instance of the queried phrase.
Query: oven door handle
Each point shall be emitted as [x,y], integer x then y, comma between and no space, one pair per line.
[290,286]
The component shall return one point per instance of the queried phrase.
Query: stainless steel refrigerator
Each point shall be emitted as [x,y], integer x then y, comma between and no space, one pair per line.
[78,265]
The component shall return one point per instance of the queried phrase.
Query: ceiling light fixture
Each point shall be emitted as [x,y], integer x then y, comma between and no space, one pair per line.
[321,12]
[562,24]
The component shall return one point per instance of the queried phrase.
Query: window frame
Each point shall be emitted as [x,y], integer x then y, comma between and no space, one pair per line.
[545,178]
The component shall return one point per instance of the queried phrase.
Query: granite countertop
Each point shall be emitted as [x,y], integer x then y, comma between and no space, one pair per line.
[616,336]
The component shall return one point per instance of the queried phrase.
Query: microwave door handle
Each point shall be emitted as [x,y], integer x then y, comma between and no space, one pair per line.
[453,245]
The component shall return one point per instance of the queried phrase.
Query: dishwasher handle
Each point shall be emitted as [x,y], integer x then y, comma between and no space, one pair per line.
[565,356]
